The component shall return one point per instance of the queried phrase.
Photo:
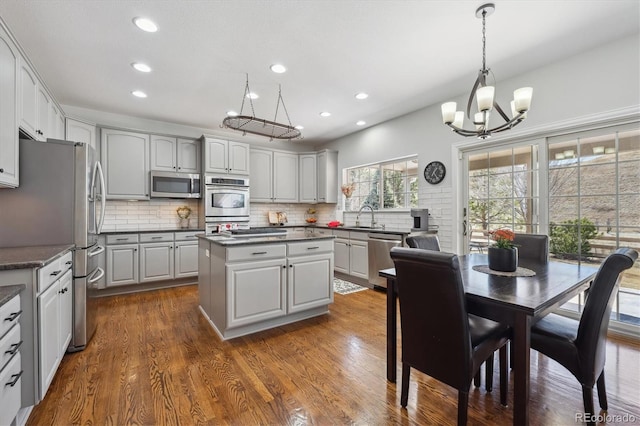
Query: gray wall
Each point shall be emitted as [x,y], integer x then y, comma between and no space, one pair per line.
[601,81]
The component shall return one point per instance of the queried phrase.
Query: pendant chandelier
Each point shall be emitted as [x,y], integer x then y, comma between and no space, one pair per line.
[258,126]
[484,95]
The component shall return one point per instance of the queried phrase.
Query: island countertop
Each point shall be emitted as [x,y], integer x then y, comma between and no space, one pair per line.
[226,241]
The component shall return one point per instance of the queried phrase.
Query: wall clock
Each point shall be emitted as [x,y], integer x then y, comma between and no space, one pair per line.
[434,172]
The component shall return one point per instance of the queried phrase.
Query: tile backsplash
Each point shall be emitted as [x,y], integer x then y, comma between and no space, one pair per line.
[147,215]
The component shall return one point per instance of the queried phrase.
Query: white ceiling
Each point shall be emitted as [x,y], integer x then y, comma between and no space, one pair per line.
[405,54]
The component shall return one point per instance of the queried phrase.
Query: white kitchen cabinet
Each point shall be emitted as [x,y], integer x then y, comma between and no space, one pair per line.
[125,157]
[54,331]
[352,253]
[186,259]
[156,261]
[44,113]
[308,181]
[175,155]
[39,117]
[11,390]
[78,131]
[327,176]
[122,264]
[309,275]
[226,157]
[56,122]
[256,291]
[274,176]
[9,83]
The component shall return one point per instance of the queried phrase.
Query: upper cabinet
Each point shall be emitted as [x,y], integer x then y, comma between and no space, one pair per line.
[274,176]
[39,115]
[225,157]
[78,131]
[175,155]
[327,176]
[9,65]
[125,157]
[308,178]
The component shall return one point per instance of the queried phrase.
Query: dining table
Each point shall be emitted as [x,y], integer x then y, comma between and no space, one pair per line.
[518,301]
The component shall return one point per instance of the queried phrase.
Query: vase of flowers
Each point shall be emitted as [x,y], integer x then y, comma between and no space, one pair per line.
[183,213]
[503,255]
[347,189]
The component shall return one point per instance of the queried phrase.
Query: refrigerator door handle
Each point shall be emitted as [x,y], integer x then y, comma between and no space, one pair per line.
[98,271]
[103,200]
[96,251]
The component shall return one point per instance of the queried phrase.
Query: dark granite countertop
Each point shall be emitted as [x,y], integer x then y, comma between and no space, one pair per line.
[7,292]
[30,257]
[378,230]
[152,231]
[225,241]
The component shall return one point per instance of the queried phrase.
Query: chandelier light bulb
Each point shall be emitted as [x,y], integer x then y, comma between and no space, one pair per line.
[448,112]
[484,95]
[478,120]
[459,120]
[522,98]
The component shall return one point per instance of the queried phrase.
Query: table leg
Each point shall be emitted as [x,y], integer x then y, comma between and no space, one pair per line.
[522,361]
[391,330]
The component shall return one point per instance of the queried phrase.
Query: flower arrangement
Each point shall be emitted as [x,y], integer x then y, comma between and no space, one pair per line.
[183,212]
[347,189]
[503,238]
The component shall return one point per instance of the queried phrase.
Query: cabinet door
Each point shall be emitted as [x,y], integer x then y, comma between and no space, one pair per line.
[163,153]
[238,158]
[54,115]
[359,262]
[8,112]
[215,151]
[125,156]
[285,177]
[186,259]
[66,311]
[156,262]
[122,264]
[342,257]
[44,111]
[309,282]
[48,335]
[28,100]
[78,131]
[327,177]
[188,156]
[261,176]
[308,178]
[256,291]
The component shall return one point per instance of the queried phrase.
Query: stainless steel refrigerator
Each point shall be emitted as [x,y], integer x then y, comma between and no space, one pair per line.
[57,203]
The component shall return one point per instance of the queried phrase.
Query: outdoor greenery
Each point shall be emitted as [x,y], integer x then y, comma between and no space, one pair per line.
[570,239]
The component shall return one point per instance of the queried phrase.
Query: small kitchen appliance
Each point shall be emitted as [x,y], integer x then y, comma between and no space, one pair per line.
[420,219]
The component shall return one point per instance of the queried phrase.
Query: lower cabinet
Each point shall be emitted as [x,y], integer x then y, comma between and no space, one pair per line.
[156,262]
[310,282]
[122,265]
[10,390]
[10,360]
[352,253]
[186,259]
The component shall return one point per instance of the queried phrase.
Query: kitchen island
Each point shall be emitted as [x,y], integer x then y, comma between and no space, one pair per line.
[251,284]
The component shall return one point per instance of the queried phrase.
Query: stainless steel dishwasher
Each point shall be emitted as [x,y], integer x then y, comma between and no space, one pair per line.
[379,258]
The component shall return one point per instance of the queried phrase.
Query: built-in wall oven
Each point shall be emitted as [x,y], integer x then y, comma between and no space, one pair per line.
[226,201]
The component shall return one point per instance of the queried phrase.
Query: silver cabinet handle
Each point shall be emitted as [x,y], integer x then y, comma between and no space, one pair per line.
[122,239]
[313,248]
[259,252]
[15,378]
[156,238]
[14,348]
[13,316]
[55,273]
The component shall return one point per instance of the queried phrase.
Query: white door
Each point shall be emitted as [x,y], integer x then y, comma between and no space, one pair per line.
[309,282]
[122,264]
[48,335]
[163,153]
[188,156]
[186,259]
[261,176]
[66,310]
[308,178]
[238,158]
[156,262]
[215,151]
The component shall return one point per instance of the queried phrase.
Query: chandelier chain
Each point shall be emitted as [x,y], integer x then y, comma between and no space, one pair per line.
[484,41]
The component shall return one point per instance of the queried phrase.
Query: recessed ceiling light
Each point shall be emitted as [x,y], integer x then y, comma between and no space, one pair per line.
[361,123]
[361,95]
[299,127]
[252,95]
[325,114]
[145,25]
[141,67]
[232,113]
[139,94]
[278,68]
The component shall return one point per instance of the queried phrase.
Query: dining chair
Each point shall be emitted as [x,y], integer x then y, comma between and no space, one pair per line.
[425,242]
[579,346]
[439,337]
[532,246]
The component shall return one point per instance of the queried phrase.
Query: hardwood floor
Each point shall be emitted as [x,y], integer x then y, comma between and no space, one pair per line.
[155,360]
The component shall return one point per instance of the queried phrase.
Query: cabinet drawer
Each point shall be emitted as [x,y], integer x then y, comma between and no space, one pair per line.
[156,237]
[10,345]
[122,239]
[10,390]
[48,274]
[256,252]
[9,314]
[187,236]
[310,247]
[341,234]
[356,235]
[321,231]
[66,261]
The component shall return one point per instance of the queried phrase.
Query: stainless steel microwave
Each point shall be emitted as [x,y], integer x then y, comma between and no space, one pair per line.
[175,185]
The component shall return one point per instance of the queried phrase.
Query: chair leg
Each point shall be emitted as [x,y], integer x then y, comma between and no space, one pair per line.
[489,373]
[463,404]
[504,375]
[602,392]
[476,379]
[511,355]
[404,394]
[587,399]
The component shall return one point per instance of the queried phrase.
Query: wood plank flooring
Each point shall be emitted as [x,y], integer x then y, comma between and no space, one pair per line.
[155,361]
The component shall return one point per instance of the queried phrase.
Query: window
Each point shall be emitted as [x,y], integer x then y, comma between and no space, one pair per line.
[387,185]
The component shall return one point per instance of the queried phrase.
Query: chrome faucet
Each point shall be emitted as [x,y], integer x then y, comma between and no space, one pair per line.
[373,219]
